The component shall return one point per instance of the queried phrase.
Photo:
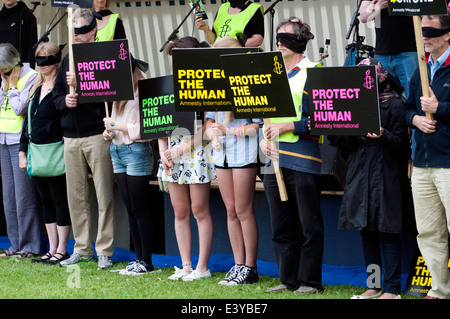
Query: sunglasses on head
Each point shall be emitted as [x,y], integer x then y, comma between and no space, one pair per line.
[295,20]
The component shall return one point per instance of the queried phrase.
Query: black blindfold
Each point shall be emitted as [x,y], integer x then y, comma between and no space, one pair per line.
[429,32]
[48,60]
[90,26]
[291,42]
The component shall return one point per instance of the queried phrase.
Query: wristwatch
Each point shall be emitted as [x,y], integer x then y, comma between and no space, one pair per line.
[13,88]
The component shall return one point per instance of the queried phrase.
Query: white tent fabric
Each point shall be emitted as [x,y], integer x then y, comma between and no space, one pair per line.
[148,25]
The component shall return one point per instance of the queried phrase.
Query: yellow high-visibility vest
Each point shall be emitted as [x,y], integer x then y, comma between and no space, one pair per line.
[9,121]
[232,24]
[297,84]
[107,32]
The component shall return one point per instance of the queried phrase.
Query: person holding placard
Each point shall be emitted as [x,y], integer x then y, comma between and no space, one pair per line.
[132,163]
[19,196]
[45,124]
[109,24]
[85,149]
[377,197]
[297,224]
[240,19]
[235,143]
[395,45]
[186,166]
[431,165]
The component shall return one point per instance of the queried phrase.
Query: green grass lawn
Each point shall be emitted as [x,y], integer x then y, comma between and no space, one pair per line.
[21,279]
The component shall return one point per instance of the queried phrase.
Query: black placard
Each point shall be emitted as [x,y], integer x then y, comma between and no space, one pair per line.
[103,71]
[199,80]
[343,100]
[73,3]
[258,85]
[157,109]
[419,279]
[417,8]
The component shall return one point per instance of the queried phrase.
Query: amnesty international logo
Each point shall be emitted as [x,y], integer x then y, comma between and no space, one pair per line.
[225,29]
[122,53]
[369,81]
[277,66]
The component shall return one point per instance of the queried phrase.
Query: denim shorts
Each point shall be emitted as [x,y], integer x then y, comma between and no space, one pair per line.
[135,159]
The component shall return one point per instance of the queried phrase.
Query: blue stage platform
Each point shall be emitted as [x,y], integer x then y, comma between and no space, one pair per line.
[331,275]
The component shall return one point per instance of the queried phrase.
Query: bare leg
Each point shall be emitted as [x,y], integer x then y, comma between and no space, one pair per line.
[179,197]
[200,208]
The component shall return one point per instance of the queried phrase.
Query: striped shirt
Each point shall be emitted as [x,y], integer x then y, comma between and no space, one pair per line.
[236,151]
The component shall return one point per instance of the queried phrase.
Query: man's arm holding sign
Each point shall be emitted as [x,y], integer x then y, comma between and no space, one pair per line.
[434,106]
[429,105]
[71,99]
[416,118]
[61,95]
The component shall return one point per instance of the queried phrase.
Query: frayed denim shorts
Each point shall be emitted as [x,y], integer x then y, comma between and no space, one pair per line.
[134,159]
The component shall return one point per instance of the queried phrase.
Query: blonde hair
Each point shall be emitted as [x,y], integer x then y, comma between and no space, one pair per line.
[47,48]
[227,42]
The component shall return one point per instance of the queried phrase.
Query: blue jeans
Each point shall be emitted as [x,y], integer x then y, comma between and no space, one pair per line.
[383,248]
[135,159]
[402,65]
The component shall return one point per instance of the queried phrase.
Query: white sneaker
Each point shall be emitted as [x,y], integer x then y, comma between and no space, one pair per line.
[231,274]
[179,273]
[104,262]
[141,268]
[129,267]
[194,275]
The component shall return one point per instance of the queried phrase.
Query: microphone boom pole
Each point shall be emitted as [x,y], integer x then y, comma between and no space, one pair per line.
[175,32]
[272,13]
[48,32]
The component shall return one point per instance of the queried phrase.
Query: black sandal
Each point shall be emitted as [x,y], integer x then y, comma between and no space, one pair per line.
[58,259]
[7,252]
[42,259]
[24,254]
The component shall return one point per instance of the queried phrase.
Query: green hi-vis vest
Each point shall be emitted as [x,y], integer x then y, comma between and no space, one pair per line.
[297,85]
[9,121]
[107,32]
[232,24]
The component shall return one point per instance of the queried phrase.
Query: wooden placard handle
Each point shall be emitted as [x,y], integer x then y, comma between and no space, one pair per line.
[278,172]
[422,62]
[71,40]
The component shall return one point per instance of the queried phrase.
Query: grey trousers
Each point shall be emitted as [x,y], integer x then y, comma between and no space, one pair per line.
[20,203]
